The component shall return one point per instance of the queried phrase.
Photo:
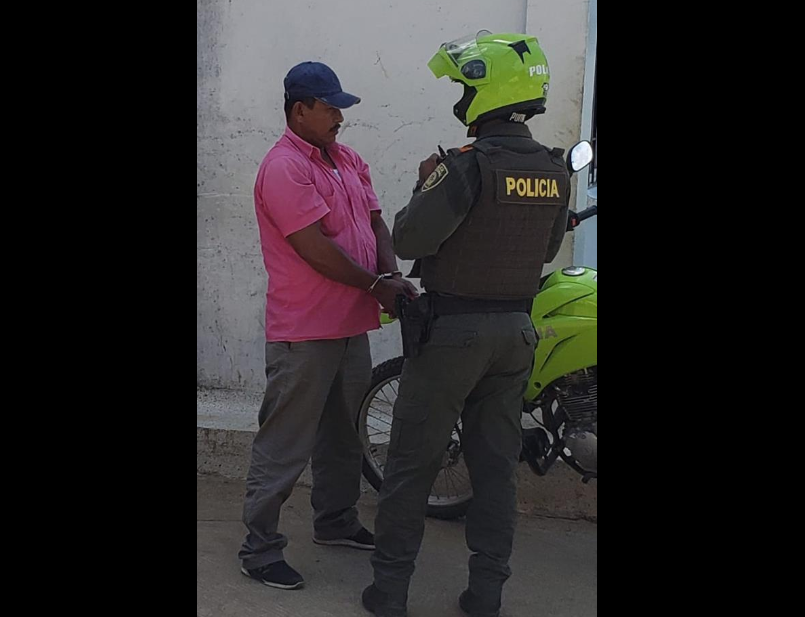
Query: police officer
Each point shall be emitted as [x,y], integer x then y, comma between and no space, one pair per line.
[481,223]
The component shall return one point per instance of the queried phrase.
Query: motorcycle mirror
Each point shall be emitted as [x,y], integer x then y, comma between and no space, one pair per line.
[592,192]
[579,156]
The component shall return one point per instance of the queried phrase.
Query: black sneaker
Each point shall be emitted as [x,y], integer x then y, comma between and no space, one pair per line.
[471,605]
[278,574]
[381,604]
[363,540]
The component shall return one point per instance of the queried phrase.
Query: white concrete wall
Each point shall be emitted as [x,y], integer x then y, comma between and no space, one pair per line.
[585,246]
[379,49]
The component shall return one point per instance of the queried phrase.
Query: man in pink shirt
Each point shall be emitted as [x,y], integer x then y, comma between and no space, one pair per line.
[330,267]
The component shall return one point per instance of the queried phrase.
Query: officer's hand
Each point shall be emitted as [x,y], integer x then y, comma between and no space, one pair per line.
[387,290]
[411,291]
[427,166]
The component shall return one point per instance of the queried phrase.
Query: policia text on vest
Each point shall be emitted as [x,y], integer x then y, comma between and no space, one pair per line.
[531,188]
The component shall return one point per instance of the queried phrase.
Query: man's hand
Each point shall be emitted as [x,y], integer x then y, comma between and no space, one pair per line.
[387,290]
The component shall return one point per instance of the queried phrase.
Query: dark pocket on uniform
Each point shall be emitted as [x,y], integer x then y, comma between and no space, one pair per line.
[405,437]
[530,336]
[411,410]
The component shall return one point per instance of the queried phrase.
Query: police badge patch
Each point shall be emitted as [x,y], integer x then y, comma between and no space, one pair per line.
[439,174]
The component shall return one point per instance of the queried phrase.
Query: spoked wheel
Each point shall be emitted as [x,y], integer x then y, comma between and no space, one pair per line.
[451,493]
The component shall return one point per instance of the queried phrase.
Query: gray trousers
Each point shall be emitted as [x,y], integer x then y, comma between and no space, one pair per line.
[474,367]
[313,393]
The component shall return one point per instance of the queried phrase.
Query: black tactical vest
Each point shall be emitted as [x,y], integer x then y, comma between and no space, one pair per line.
[499,249]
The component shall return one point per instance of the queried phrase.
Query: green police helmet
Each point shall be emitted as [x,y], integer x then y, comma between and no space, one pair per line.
[504,76]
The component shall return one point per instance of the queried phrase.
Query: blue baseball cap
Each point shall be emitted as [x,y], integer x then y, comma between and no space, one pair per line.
[318,81]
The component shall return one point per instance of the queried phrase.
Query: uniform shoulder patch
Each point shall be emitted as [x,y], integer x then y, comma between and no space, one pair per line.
[461,150]
[439,174]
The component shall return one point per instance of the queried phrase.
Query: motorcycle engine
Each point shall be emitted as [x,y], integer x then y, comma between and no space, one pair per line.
[577,395]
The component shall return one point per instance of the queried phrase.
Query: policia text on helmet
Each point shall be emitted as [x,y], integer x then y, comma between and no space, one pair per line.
[505,77]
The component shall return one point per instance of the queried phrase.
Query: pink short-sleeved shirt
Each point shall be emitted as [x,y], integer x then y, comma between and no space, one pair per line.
[296,187]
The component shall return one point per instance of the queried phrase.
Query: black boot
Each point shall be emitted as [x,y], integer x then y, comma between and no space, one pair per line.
[472,606]
[383,604]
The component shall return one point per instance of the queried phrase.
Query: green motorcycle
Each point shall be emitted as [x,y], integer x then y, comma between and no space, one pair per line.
[560,406]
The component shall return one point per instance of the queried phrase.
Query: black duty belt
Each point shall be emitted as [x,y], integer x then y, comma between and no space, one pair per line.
[455,305]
